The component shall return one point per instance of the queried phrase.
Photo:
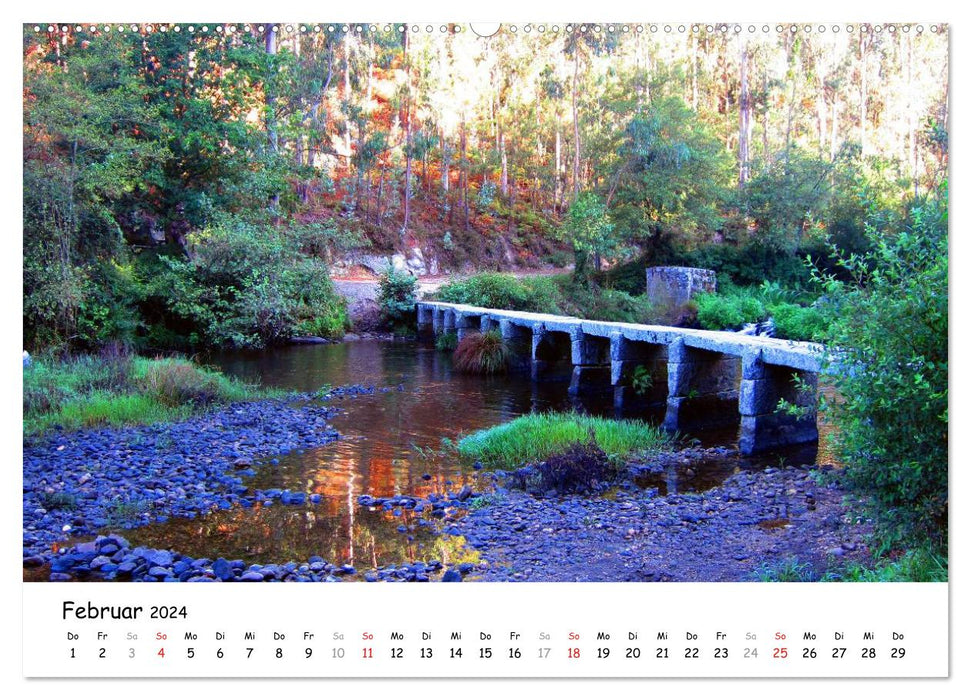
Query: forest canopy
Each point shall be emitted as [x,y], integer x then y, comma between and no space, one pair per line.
[190,185]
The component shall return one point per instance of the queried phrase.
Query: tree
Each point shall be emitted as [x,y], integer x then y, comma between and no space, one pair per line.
[673,172]
[890,325]
[589,230]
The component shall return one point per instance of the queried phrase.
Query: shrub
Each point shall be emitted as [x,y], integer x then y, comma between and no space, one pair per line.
[582,468]
[447,342]
[891,327]
[177,382]
[88,391]
[494,290]
[641,380]
[482,353]
[728,312]
[914,565]
[795,322]
[609,305]
[244,285]
[397,297]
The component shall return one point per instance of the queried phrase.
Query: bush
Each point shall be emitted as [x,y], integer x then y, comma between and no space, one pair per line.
[481,353]
[178,382]
[609,305]
[447,342]
[494,290]
[397,297]
[795,322]
[728,312]
[244,285]
[892,378]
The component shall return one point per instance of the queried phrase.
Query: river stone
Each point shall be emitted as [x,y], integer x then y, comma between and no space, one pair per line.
[222,570]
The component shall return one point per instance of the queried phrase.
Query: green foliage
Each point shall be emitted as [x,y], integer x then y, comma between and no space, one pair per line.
[608,305]
[88,153]
[537,437]
[891,327]
[789,570]
[482,353]
[728,311]
[786,198]
[397,297]
[86,391]
[641,380]
[503,291]
[674,172]
[59,500]
[589,230]
[794,322]
[246,285]
[914,565]
[447,342]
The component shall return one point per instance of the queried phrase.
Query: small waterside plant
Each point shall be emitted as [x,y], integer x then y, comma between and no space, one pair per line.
[482,353]
[447,342]
[537,437]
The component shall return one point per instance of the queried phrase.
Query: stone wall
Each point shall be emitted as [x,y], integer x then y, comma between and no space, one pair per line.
[676,285]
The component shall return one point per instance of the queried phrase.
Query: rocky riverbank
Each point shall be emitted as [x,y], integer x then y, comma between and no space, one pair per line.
[758,524]
[80,483]
[693,515]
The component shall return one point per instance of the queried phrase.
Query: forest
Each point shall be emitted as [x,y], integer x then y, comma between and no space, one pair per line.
[191,186]
[198,188]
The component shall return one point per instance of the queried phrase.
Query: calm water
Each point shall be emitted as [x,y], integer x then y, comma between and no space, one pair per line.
[384,450]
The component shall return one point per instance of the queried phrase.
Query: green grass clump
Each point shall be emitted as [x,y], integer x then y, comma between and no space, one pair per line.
[914,565]
[89,391]
[482,353]
[789,570]
[537,437]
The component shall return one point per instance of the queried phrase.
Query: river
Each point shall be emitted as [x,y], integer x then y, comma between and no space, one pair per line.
[388,446]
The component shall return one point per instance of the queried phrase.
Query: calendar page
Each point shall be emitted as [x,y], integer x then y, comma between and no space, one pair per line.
[635,328]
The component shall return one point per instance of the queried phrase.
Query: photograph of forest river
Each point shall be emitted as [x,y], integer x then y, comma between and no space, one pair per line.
[569,302]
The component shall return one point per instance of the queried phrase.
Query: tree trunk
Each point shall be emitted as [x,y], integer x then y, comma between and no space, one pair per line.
[404,227]
[744,119]
[556,174]
[863,93]
[271,109]
[694,73]
[833,125]
[576,125]
[347,96]
[465,175]
[504,176]
[911,136]
[765,115]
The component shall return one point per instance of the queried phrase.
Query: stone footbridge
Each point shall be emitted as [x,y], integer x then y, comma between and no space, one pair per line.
[702,379]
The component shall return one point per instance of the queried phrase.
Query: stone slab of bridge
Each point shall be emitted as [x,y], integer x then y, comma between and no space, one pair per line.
[703,379]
